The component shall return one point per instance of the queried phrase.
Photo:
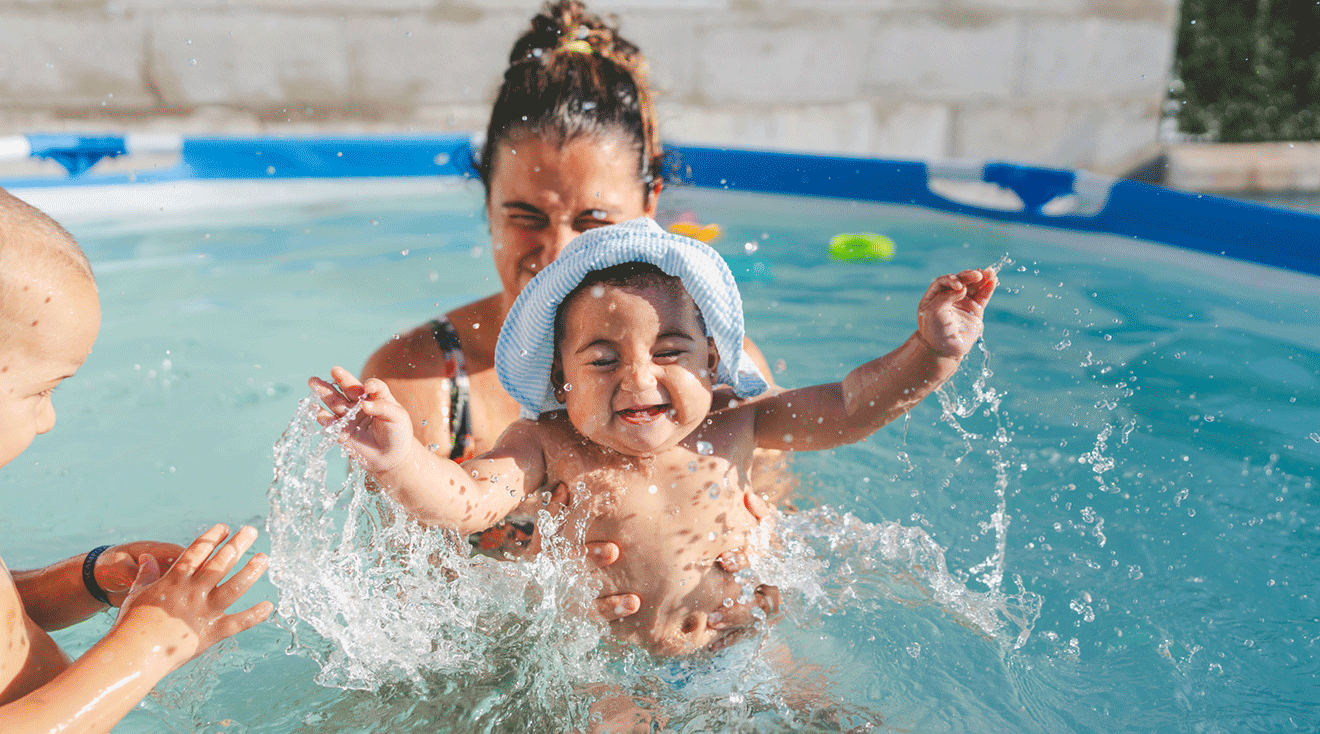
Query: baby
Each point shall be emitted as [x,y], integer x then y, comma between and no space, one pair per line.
[613,352]
[49,317]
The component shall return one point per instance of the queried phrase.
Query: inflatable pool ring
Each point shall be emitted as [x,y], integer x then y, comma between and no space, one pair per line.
[703,232]
[861,246]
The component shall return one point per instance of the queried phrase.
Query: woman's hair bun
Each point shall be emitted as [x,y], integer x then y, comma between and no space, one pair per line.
[572,75]
[564,27]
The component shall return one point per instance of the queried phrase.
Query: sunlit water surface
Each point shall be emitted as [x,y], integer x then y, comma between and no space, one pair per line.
[1106,522]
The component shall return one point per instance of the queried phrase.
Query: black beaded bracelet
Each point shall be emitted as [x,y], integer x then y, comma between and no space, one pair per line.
[89,575]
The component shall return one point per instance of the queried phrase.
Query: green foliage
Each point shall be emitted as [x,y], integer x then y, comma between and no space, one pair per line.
[1249,70]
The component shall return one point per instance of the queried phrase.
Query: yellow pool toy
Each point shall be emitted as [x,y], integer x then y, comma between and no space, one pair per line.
[864,246]
[704,232]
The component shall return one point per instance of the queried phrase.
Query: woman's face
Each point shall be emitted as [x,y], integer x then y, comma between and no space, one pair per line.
[542,196]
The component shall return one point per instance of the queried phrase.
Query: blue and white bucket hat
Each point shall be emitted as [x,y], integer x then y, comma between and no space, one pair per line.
[525,351]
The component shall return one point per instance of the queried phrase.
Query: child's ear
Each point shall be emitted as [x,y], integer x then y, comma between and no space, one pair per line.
[714,357]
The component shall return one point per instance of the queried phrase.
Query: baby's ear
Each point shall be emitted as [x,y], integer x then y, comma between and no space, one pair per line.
[714,357]
[557,379]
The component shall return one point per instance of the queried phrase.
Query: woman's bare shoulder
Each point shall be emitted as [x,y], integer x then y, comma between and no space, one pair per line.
[410,355]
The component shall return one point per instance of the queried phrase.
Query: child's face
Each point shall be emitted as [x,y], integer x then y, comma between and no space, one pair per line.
[635,366]
[53,323]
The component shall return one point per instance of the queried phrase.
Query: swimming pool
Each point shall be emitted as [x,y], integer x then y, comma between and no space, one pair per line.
[1139,456]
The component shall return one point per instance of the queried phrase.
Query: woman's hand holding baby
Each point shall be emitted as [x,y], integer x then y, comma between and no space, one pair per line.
[380,436]
[949,315]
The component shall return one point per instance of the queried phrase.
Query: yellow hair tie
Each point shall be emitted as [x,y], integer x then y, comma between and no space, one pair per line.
[580,46]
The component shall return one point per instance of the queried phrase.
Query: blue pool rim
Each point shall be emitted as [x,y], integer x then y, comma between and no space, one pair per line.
[1200,222]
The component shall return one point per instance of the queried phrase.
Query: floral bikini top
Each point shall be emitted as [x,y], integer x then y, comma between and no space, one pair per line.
[460,412]
[508,536]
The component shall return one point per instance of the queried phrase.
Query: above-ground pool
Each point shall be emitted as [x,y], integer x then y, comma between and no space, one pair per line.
[1106,522]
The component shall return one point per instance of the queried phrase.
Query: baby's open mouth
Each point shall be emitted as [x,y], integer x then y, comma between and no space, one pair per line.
[643,415]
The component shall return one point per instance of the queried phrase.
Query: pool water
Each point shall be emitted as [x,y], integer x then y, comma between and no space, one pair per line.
[1106,522]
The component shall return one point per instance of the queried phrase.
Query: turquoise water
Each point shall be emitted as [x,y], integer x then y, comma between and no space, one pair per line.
[1109,524]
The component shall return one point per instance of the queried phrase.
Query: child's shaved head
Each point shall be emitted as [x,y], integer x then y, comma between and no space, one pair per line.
[27,232]
[36,253]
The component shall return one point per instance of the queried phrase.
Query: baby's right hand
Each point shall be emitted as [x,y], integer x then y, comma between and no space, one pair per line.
[185,608]
[380,435]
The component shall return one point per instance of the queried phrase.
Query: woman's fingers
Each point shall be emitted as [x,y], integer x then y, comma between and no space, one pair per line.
[733,561]
[602,552]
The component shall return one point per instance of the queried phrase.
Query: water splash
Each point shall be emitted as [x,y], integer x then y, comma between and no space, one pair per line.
[387,607]
[832,561]
[388,602]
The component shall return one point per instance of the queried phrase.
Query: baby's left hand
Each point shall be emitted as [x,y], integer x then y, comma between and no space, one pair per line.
[949,315]
[117,566]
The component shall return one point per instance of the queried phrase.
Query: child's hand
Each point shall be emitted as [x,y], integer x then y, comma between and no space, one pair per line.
[185,607]
[949,315]
[380,435]
[117,567]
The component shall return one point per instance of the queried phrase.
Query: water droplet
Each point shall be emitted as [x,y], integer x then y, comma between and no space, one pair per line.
[581,486]
[433,447]
[192,62]
[652,489]
[780,366]
[597,291]
[692,465]
[705,448]
[404,253]
[751,248]
[568,387]
[788,438]
[588,106]
[522,352]
[713,490]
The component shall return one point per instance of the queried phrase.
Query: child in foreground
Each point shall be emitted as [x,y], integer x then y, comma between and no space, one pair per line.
[49,317]
[612,352]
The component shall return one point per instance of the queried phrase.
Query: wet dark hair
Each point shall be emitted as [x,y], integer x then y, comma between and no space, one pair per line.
[555,90]
[623,275]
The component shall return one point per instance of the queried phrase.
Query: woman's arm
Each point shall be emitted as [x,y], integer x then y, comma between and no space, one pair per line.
[56,596]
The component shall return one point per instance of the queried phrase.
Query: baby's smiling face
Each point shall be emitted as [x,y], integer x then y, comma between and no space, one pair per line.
[634,365]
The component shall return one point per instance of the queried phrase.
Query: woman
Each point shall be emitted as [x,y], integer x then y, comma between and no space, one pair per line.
[571,145]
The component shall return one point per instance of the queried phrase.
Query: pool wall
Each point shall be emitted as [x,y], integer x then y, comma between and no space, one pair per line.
[1062,83]
[1005,192]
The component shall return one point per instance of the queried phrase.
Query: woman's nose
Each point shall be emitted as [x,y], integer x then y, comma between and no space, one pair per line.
[556,239]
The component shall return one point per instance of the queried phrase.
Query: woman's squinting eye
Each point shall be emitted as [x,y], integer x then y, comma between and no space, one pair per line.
[593,218]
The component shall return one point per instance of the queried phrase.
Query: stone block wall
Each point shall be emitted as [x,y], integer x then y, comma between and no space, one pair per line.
[1077,83]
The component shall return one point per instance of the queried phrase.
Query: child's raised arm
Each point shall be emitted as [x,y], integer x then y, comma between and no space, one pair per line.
[949,321]
[165,621]
[434,490]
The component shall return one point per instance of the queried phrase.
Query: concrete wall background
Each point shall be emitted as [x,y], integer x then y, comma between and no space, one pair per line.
[1076,83]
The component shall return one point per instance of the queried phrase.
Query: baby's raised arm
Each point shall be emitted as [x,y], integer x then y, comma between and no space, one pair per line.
[434,490]
[949,321]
